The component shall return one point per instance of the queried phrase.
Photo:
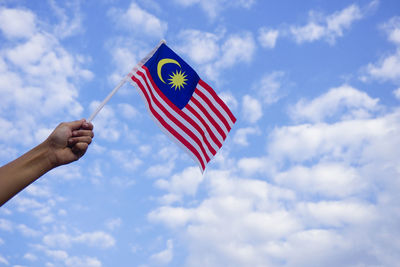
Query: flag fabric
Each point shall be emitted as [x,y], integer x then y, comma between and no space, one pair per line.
[185,107]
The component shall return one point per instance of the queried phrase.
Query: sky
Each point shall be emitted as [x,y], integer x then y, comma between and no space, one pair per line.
[308,176]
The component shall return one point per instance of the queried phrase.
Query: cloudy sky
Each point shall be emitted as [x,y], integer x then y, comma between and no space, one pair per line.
[309,175]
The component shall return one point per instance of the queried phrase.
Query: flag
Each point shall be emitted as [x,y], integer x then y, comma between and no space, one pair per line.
[185,107]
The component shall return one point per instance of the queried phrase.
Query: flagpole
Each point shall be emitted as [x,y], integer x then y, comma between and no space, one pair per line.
[121,83]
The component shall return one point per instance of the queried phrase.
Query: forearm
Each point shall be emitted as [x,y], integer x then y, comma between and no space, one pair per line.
[18,174]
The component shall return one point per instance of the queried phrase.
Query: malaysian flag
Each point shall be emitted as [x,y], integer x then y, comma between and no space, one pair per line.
[185,107]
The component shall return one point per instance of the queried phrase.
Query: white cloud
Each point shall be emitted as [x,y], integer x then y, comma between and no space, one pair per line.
[68,26]
[97,239]
[354,104]
[83,262]
[136,19]
[330,179]
[388,67]
[397,93]
[215,52]
[201,47]
[127,111]
[237,48]
[17,23]
[38,191]
[113,224]
[242,134]
[4,260]
[392,28]
[342,140]
[326,27]
[254,165]
[310,32]
[6,225]
[269,88]
[122,182]
[73,261]
[314,247]
[57,254]
[251,109]
[27,231]
[214,7]
[30,256]
[165,256]
[171,216]
[160,170]
[126,158]
[336,213]
[60,240]
[267,37]
[183,183]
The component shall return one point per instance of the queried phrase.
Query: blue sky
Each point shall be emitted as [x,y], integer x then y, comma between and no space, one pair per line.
[309,175]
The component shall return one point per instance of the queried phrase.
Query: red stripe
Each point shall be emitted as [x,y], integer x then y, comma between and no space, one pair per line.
[173,118]
[213,122]
[219,100]
[179,111]
[214,109]
[205,124]
[166,125]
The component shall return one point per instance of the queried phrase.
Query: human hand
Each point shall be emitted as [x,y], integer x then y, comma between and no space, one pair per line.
[69,141]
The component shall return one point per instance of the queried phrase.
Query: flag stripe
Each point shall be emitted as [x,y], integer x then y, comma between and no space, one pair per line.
[194,113]
[219,100]
[194,127]
[216,104]
[214,109]
[209,116]
[165,122]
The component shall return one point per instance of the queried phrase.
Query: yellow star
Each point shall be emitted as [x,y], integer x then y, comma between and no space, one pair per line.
[177,79]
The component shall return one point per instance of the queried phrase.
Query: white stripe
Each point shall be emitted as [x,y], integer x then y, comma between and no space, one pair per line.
[215,131]
[212,114]
[216,104]
[198,122]
[173,138]
[178,117]
[170,122]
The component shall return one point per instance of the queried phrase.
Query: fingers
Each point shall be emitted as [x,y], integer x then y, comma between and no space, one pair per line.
[83,133]
[75,125]
[80,139]
[87,125]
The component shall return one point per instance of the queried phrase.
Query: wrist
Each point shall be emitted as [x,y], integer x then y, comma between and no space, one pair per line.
[48,155]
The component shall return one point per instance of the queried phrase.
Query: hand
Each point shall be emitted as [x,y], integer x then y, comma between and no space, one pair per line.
[69,141]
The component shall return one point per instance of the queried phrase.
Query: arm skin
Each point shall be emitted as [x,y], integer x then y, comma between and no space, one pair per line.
[67,143]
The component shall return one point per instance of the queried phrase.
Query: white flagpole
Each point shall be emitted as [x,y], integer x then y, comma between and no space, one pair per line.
[122,82]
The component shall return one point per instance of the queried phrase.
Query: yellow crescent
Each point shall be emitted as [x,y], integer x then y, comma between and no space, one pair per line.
[162,62]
